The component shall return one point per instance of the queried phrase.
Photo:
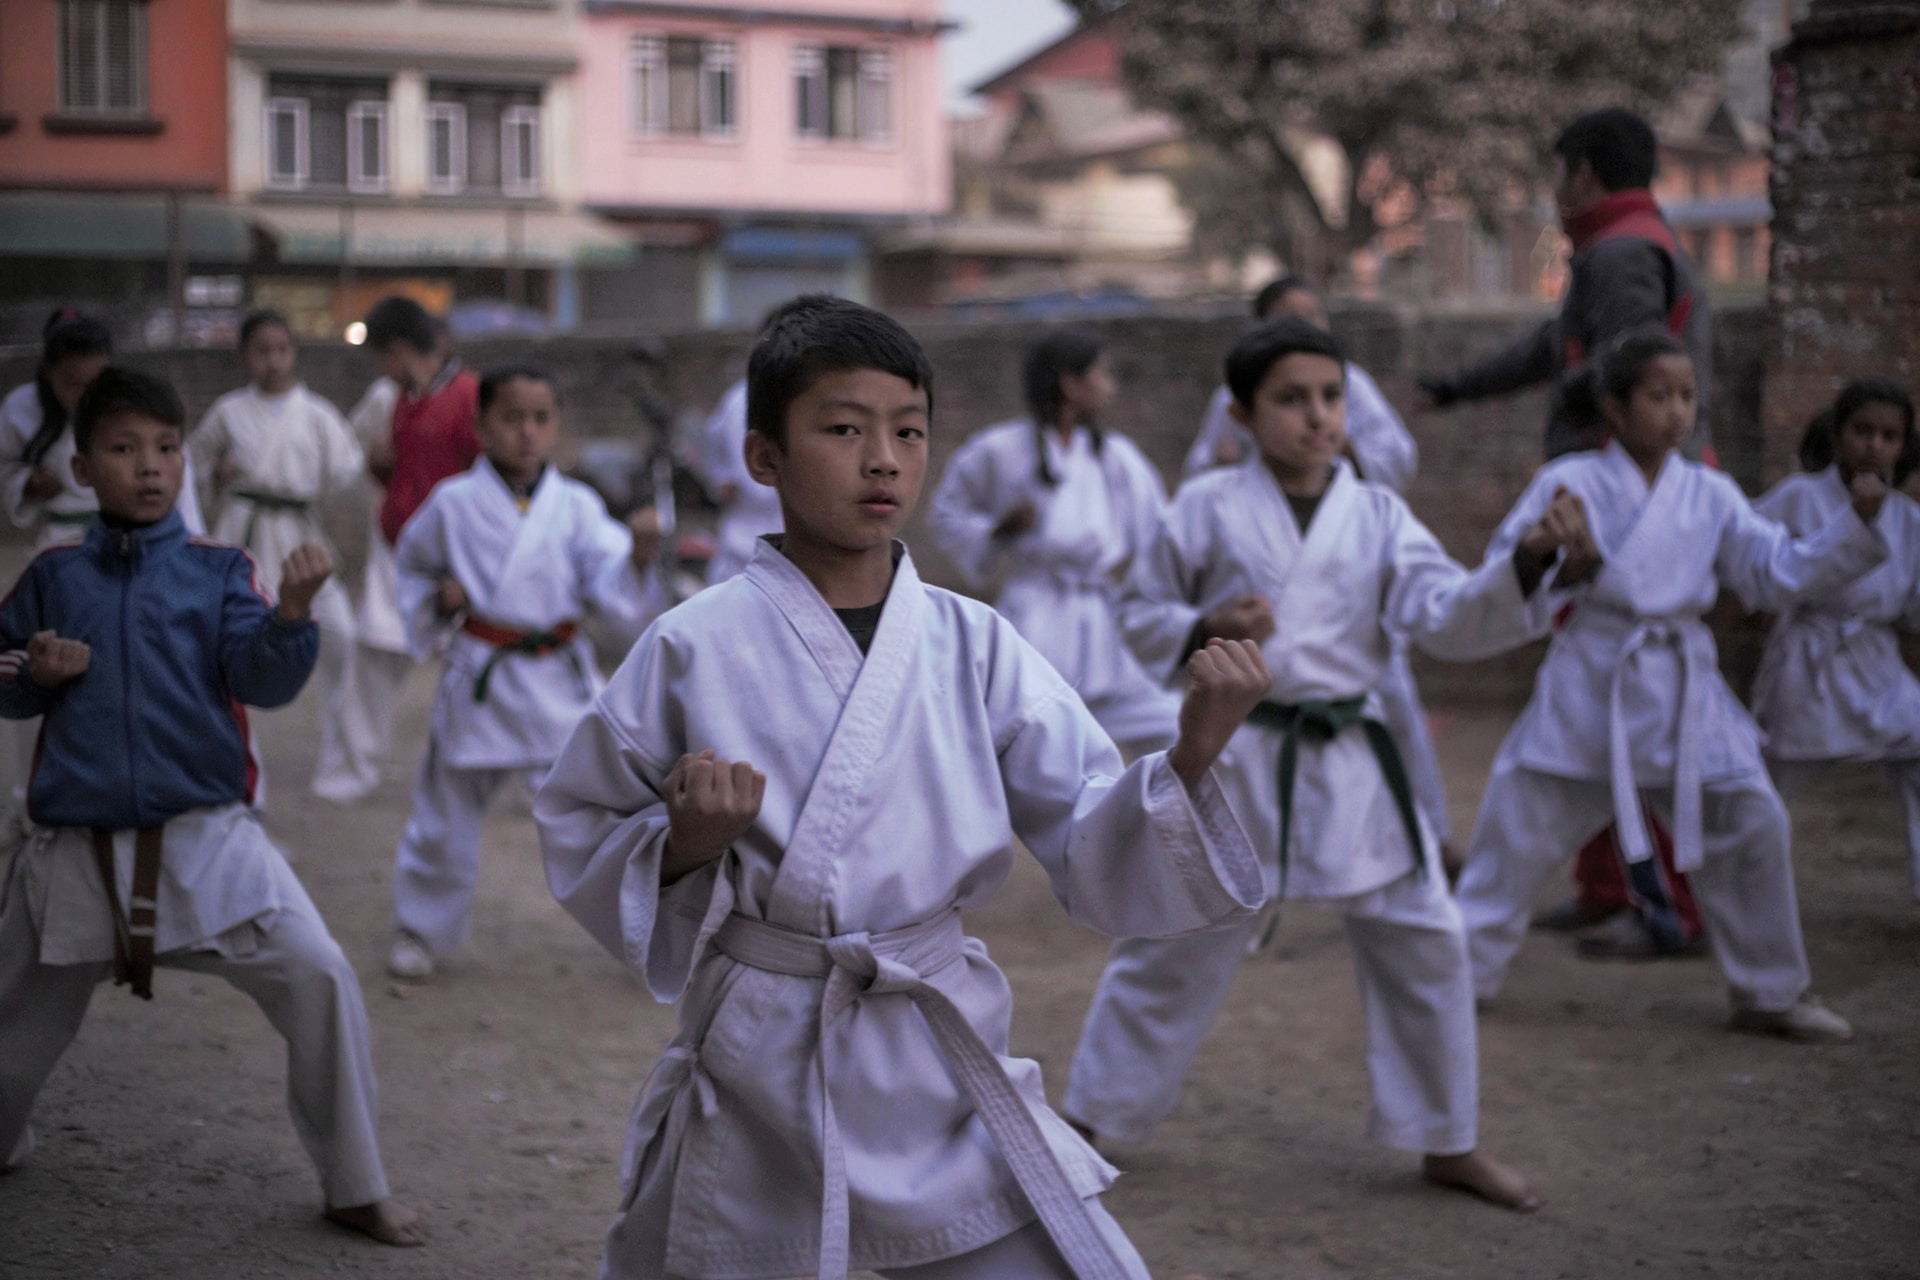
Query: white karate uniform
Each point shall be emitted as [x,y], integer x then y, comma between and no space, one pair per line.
[896,785]
[1388,455]
[522,571]
[1365,572]
[381,661]
[755,508]
[1832,684]
[230,906]
[1060,577]
[289,452]
[1630,699]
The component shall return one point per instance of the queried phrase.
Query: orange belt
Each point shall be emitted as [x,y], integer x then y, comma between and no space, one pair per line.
[133,932]
[506,640]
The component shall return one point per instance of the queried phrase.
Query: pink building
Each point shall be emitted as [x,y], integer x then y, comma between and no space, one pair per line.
[755,152]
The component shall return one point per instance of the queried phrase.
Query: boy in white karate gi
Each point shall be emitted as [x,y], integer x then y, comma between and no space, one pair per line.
[1057,508]
[1832,685]
[272,450]
[775,814]
[138,645]
[1325,570]
[1630,701]
[494,571]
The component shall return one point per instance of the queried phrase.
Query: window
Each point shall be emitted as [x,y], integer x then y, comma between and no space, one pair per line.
[684,85]
[483,139]
[842,92]
[446,148]
[103,57]
[327,134]
[367,147]
[520,151]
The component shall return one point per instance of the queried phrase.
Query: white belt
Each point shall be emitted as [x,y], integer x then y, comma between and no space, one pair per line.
[859,965]
[1692,644]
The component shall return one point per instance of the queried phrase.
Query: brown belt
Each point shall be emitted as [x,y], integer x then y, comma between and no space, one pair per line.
[133,930]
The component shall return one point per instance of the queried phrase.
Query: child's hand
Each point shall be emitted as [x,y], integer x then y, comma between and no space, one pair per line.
[1869,493]
[51,661]
[1020,520]
[225,473]
[42,483]
[1247,617]
[710,803]
[1228,452]
[645,525]
[301,578]
[1225,680]
[449,597]
[1562,524]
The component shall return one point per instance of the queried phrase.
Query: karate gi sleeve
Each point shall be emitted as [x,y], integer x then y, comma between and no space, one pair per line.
[1156,607]
[603,829]
[1130,853]
[342,460]
[22,616]
[723,442]
[1770,569]
[372,416]
[1217,426]
[264,660]
[420,560]
[965,508]
[1379,439]
[19,421]
[205,447]
[625,596]
[1450,613]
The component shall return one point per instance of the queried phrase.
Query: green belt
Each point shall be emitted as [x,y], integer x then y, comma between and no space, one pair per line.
[74,519]
[274,502]
[1321,720]
[535,643]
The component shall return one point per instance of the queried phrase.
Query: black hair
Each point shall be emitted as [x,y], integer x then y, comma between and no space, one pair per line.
[1266,344]
[1057,353]
[67,333]
[1274,290]
[394,320]
[258,320]
[1816,442]
[499,375]
[119,389]
[1855,396]
[817,334]
[1618,145]
[1624,362]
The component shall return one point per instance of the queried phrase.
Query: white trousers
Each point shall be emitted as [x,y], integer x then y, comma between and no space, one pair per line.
[1406,721]
[438,860]
[347,768]
[1791,775]
[1528,820]
[1158,997]
[293,970]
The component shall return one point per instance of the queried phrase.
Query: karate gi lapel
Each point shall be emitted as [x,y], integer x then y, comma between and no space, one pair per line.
[530,586]
[1284,546]
[1637,546]
[802,893]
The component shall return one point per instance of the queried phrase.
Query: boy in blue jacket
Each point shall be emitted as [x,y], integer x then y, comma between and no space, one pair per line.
[140,646]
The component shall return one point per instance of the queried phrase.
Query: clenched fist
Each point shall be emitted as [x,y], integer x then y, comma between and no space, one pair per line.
[449,597]
[645,526]
[1245,617]
[1869,492]
[710,803]
[51,661]
[1563,526]
[1022,519]
[301,578]
[1224,682]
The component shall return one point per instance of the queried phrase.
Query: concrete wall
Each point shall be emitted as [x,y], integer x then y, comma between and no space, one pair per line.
[1474,461]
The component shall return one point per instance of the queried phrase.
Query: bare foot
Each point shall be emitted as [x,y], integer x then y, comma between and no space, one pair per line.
[1483,1176]
[387,1221]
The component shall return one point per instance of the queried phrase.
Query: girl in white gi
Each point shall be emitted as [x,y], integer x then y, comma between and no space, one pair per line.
[775,814]
[1058,508]
[1832,685]
[1630,699]
[494,570]
[272,450]
[1325,570]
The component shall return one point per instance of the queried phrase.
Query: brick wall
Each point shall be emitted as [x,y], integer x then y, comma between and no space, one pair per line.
[1845,282]
[1474,461]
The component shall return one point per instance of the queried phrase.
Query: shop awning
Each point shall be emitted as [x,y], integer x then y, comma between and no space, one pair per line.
[58,224]
[424,236]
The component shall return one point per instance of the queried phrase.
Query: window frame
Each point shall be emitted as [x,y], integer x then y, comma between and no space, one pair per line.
[302,157]
[454,114]
[647,52]
[719,70]
[811,67]
[70,12]
[513,119]
[358,111]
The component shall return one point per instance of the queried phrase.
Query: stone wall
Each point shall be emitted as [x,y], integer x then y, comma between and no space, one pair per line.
[1474,460]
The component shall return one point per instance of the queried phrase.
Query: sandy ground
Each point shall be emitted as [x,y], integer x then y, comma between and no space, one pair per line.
[1668,1145]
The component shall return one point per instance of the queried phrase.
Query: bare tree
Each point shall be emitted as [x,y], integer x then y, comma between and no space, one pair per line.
[1422,97]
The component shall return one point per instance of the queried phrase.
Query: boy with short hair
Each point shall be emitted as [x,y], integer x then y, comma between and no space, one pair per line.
[139,646]
[1336,568]
[494,571]
[777,810]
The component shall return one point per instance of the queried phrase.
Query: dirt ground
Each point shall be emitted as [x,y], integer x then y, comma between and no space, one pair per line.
[1668,1146]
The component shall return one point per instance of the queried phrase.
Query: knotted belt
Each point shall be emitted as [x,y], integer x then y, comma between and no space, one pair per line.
[133,929]
[262,501]
[1322,720]
[860,966]
[507,640]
